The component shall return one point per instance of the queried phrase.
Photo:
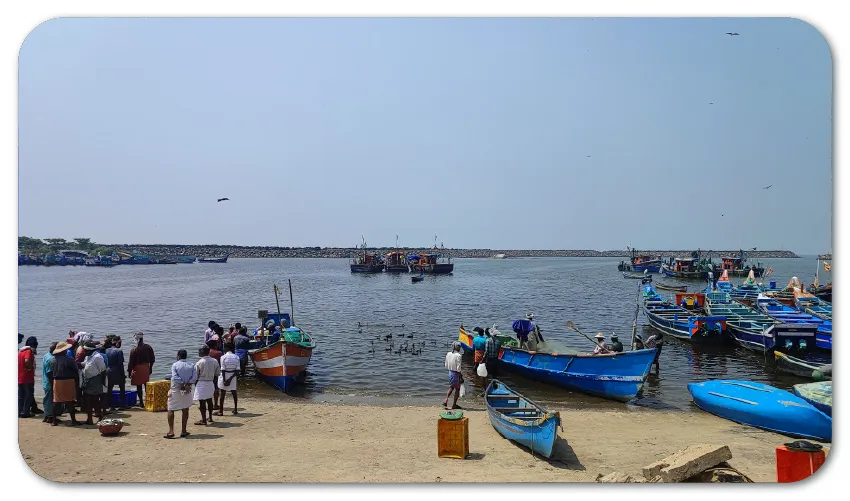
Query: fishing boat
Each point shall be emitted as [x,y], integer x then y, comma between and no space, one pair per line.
[816,368]
[431,264]
[745,293]
[762,406]
[736,267]
[282,360]
[637,276]
[818,394]
[814,306]
[676,321]
[672,288]
[823,292]
[756,331]
[520,420]
[788,315]
[181,258]
[641,263]
[417,278]
[617,376]
[366,262]
[396,262]
[465,338]
[683,268]
[219,259]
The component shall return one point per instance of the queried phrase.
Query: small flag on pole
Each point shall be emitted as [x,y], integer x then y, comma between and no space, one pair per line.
[769,271]
[826,266]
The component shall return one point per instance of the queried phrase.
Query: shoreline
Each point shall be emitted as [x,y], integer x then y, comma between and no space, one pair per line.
[357,443]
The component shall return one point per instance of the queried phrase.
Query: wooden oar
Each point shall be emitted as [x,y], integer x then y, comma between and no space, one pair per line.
[571,325]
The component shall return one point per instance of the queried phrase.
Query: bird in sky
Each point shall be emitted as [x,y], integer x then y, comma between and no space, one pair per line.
[754,248]
[710,103]
[721,215]
[767,187]
[223,199]
[732,34]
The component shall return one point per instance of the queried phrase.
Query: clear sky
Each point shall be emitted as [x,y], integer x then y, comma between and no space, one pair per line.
[489,133]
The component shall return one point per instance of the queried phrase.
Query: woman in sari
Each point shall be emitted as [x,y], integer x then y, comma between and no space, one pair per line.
[94,381]
[140,366]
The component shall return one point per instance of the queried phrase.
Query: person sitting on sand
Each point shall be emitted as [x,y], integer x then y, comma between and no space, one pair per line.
[242,342]
[65,376]
[140,365]
[478,343]
[227,380]
[180,393]
[600,344]
[616,345]
[453,359]
[207,371]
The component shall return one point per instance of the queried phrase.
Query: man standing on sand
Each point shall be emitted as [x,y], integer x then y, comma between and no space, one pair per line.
[207,371]
[227,379]
[242,342]
[66,381]
[140,365]
[26,379]
[47,384]
[215,354]
[180,393]
[478,347]
[115,374]
[453,359]
[491,353]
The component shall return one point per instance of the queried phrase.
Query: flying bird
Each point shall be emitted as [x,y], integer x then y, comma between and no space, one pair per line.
[754,248]
[767,187]
[222,199]
[732,34]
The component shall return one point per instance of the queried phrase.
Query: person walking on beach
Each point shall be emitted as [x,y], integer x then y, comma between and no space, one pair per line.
[180,393]
[478,343]
[94,382]
[453,359]
[215,354]
[47,384]
[65,377]
[616,345]
[115,375]
[140,365]
[26,379]
[227,380]
[207,371]
[241,342]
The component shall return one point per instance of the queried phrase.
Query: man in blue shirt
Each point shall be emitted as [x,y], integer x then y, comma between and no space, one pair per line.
[47,384]
[478,347]
[115,375]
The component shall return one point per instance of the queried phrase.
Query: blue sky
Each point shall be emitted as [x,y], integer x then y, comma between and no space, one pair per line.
[495,133]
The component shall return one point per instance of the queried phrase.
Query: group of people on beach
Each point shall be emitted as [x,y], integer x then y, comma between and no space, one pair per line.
[80,373]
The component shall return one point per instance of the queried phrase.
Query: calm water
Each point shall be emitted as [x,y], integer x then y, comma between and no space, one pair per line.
[172,304]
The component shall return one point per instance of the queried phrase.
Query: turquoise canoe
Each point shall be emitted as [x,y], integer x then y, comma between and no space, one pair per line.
[521,420]
[818,394]
[762,406]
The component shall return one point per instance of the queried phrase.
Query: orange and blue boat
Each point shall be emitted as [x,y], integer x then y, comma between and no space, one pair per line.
[281,360]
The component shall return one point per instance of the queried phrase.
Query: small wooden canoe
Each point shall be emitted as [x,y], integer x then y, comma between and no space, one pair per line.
[762,406]
[521,420]
[417,278]
[637,276]
[817,394]
[804,368]
[674,288]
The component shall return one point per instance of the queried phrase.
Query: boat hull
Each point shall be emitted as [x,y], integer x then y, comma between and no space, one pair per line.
[367,268]
[648,267]
[617,376]
[536,429]
[401,268]
[212,259]
[762,406]
[799,367]
[688,328]
[817,394]
[433,269]
[281,364]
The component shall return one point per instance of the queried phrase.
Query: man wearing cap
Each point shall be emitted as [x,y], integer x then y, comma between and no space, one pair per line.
[600,344]
[453,359]
[65,378]
[478,343]
[26,379]
[616,345]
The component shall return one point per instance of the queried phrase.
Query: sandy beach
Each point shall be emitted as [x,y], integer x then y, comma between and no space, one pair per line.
[333,442]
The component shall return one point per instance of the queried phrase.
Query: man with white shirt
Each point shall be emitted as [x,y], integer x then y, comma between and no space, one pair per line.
[230,368]
[207,371]
[455,379]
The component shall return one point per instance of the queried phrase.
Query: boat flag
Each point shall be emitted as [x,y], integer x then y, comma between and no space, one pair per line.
[769,271]
[826,266]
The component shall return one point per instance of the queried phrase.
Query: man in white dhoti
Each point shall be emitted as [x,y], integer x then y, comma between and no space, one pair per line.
[227,380]
[207,371]
[180,394]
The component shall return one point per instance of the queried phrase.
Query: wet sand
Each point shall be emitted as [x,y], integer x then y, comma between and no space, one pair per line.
[293,440]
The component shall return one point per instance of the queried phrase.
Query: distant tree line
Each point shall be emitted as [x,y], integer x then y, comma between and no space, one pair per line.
[29,245]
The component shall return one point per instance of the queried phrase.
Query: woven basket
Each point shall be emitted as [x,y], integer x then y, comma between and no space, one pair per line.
[110,426]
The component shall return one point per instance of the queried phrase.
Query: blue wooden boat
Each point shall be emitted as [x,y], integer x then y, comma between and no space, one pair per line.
[814,306]
[618,376]
[788,315]
[221,259]
[520,420]
[762,406]
[676,321]
[811,367]
[756,331]
[818,394]
[181,258]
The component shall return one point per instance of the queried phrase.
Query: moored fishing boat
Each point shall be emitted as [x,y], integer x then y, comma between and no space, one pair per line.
[520,420]
[762,406]
[672,319]
[617,376]
[683,268]
[814,306]
[181,258]
[431,264]
[818,394]
[366,262]
[745,293]
[637,276]
[672,288]
[396,262]
[811,367]
[735,266]
[219,259]
[788,315]
[756,331]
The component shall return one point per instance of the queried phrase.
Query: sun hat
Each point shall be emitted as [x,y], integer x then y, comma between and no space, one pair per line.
[62,347]
[599,335]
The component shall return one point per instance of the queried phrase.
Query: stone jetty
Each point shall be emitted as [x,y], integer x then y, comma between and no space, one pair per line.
[236,251]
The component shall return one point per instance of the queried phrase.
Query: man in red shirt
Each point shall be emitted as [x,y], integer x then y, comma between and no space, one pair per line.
[26,379]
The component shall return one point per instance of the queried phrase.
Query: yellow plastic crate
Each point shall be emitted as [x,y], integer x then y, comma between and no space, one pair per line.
[453,438]
[156,395]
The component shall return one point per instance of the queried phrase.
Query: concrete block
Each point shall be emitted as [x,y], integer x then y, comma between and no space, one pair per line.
[691,461]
